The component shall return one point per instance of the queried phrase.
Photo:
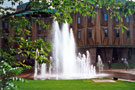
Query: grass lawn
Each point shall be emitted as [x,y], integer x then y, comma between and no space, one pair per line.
[74,85]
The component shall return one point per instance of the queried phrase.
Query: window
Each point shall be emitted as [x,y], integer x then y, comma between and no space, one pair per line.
[127,19]
[89,19]
[105,17]
[39,37]
[116,19]
[79,35]
[79,20]
[128,33]
[29,38]
[45,38]
[117,33]
[106,32]
[134,32]
[17,57]
[39,27]
[29,27]
[5,25]
[89,33]
[134,17]
[70,26]
[60,23]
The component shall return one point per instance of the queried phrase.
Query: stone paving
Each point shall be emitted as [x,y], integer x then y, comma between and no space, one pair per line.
[104,81]
[127,80]
[120,74]
[129,71]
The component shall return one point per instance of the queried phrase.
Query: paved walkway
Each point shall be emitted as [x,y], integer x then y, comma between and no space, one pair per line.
[130,71]
[121,74]
[104,81]
[27,74]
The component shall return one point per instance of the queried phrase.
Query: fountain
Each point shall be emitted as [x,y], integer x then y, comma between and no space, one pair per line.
[65,64]
[100,64]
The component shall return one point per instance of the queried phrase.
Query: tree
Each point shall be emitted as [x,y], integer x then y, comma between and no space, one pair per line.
[61,10]
[16,45]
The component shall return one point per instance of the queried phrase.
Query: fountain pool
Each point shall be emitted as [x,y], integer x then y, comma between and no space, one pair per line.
[65,63]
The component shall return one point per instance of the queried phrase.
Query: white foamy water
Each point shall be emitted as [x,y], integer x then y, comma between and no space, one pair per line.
[65,63]
[100,64]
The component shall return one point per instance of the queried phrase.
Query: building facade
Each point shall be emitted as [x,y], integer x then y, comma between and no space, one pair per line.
[101,37]
[98,35]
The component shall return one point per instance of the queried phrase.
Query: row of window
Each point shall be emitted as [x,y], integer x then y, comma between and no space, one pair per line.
[39,27]
[5,26]
[78,22]
[44,38]
[105,19]
[39,37]
[117,33]
[79,19]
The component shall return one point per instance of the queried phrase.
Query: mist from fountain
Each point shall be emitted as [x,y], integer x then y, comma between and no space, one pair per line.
[100,64]
[65,64]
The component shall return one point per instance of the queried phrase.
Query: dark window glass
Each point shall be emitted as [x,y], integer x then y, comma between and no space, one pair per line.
[117,33]
[17,57]
[128,33]
[29,38]
[127,19]
[78,20]
[134,17]
[116,19]
[39,37]
[29,27]
[39,27]
[106,32]
[134,33]
[5,25]
[60,23]
[89,33]
[70,26]
[89,19]
[105,17]
[45,38]
[79,34]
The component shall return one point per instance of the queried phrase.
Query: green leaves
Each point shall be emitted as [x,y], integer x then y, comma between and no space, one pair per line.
[7,73]
[100,3]
[5,68]
[122,28]
[23,48]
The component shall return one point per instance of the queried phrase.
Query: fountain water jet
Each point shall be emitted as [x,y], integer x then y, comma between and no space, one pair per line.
[100,64]
[65,64]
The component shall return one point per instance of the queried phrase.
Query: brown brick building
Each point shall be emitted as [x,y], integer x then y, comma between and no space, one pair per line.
[99,35]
